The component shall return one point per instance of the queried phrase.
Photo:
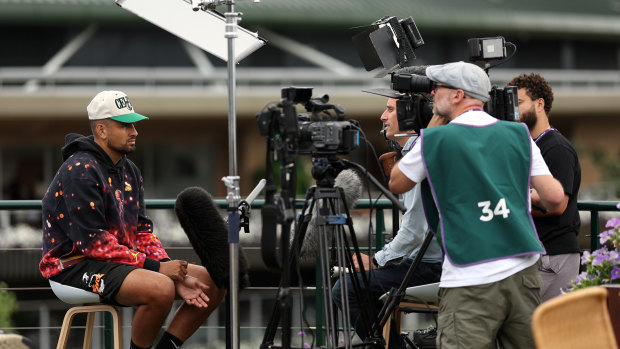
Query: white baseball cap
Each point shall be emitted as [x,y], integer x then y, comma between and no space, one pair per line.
[113,105]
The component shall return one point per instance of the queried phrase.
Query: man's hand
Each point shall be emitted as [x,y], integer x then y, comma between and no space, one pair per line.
[387,161]
[176,270]
[549,193]
[538,211]
[437,120]
[192,291]
[366,261]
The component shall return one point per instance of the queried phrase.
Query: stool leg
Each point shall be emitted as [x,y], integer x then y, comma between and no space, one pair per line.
[88,330]
[91,310]
[66,326]
[398,317]
[118,328]
[386,331]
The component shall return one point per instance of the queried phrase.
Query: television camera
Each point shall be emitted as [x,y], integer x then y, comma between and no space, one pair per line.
[322,130]
[389,43]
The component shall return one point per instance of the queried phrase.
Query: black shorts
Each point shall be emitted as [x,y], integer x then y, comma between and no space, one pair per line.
[102,278]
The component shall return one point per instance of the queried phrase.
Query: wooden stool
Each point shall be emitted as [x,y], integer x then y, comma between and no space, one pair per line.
[91,306]
[412,303]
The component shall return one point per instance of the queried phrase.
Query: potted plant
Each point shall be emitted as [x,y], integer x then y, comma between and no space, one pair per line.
[602,265]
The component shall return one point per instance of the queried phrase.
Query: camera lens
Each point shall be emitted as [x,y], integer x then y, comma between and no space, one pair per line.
[411,83]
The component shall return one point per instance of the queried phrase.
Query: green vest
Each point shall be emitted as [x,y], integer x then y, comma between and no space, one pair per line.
[479,178]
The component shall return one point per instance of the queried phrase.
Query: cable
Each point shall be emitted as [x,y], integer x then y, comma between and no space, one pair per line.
[507,58]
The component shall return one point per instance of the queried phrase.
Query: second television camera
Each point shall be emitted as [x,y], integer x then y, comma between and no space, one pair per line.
[415,106]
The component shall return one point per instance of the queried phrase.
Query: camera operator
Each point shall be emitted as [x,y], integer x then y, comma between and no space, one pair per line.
[556,229]
[478,170]
[393,261]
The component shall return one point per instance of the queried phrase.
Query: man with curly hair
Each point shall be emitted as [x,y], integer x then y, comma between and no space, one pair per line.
[556,229]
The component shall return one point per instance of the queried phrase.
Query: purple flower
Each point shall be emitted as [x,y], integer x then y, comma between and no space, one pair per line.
[585,258]
[301,333]
[603,265]
[613,257]
[605,236]
[615,273]
[613,223]
[581,277]
[599,259]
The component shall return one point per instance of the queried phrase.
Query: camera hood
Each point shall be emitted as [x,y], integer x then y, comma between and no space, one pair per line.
[386,92]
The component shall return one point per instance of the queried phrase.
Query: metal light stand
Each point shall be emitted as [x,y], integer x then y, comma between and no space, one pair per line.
[232,181]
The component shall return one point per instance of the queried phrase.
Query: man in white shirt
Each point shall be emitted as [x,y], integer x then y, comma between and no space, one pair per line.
[391,264]
[478,170]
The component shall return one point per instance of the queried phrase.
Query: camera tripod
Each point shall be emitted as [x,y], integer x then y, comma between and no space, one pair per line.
[329,205]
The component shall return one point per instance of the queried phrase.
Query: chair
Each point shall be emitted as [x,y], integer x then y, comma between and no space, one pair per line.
[578,319]
[417,299]
[89,304]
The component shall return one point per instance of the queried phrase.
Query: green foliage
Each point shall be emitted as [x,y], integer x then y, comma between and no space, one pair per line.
[8,305]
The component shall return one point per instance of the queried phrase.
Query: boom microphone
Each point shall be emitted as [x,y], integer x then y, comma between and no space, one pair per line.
[351,185]
[208,234]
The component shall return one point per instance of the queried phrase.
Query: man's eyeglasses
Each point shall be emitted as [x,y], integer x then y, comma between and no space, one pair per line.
[437,86]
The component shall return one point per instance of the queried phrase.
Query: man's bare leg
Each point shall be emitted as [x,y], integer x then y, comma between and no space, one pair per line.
[152,294]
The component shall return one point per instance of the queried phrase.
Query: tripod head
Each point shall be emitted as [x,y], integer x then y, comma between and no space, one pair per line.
[325,169]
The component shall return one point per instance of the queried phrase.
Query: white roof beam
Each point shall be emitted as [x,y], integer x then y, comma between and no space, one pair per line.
[61,57]
[308,53]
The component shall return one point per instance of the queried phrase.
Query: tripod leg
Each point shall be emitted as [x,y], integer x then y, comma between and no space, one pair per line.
[330,326]
[281,309]
[367,309]
[331,201]
[342,277]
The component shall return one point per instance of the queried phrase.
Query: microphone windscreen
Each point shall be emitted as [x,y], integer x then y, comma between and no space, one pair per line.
[351,186]
[208,234]
[416,69]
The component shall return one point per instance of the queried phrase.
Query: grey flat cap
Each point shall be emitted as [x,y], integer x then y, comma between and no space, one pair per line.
[469,77]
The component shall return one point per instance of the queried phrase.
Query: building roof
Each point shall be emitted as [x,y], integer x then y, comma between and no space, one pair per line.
[569,17]
[554,21]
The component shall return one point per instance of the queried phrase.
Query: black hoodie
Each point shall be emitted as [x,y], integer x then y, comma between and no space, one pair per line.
[95,209]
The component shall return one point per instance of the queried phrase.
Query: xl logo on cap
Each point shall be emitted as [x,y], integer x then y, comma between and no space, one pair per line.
[123,102]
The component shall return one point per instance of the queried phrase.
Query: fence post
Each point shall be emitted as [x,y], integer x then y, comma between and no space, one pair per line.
[594,230]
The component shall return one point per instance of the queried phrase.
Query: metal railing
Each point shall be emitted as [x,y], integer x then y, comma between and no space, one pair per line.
[163,204]
[593,207]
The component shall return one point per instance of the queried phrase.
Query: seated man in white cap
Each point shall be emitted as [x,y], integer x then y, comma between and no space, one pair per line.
[97,236]
[478,170]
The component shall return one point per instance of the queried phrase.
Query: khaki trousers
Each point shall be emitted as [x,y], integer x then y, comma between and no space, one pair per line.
[475,316]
